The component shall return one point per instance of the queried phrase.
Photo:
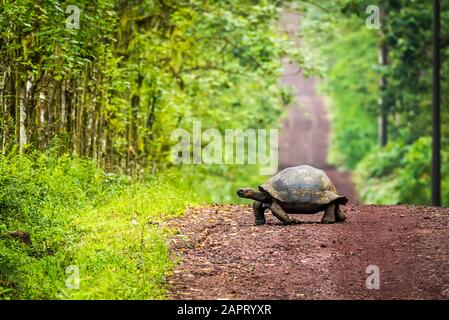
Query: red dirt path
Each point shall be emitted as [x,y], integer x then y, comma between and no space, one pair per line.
[224,256]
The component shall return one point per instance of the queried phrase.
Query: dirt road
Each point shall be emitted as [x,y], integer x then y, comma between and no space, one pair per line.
[224,256]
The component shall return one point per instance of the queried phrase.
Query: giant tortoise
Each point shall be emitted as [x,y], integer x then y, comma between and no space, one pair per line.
[302,189]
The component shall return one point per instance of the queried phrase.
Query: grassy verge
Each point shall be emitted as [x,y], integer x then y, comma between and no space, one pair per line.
[79,218]
[106,230]
[123,253]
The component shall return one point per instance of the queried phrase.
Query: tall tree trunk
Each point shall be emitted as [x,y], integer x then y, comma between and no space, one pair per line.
[436,101]
[69,115]
[49,116]
[17,96]
[4,111]
[12,110]
[93,114]
[101,142]
[74,118]
[63,122]
[24,96]
[82,125]
[41,131]
[132,133]
[149,124]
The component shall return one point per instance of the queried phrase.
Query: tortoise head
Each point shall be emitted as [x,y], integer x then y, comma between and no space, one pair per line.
[252,194]
[246,193]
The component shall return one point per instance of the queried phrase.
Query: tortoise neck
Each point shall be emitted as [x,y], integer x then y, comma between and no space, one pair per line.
[260,196]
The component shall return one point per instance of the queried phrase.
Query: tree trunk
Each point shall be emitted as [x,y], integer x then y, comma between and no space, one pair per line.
[63,123]
[436,112]
[4,112]
[24,96]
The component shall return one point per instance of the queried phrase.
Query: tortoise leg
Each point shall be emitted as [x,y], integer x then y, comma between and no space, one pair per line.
[339,214]
[259,213]
[279,213]
[329,214]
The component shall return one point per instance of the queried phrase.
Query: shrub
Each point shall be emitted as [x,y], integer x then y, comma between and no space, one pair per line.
[400,173]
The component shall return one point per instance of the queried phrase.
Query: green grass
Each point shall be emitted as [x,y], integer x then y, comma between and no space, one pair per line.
[109,226]
[123,253]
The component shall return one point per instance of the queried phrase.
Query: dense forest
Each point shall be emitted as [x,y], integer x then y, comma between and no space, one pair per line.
[114,87]
[363,89]
[91,91]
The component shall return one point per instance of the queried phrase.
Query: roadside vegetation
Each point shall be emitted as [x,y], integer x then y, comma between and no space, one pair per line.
[347,53]
[86,114]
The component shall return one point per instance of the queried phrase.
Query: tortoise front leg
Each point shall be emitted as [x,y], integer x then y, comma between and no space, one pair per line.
[279,213]
[329,214]
[259,213]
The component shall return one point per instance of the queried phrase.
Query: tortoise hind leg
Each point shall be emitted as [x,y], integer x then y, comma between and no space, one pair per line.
[329,214]
[259,213]
[339,214]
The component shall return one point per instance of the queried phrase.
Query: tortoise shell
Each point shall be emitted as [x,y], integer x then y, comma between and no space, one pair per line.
[302,185]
